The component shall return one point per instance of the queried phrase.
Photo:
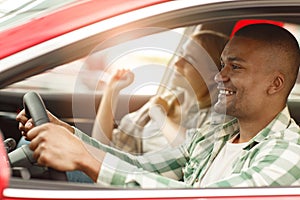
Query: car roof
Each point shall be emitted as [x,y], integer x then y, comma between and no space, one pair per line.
[13,14]
[64,20]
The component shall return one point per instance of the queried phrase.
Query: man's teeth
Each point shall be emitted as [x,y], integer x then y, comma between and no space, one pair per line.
[226,92]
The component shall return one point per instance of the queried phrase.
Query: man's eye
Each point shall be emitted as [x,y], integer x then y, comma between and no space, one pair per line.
[235,67]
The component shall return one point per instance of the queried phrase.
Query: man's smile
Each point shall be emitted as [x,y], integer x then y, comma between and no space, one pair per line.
[226,92]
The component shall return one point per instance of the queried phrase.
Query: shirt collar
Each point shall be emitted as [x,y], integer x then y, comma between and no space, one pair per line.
[278,124]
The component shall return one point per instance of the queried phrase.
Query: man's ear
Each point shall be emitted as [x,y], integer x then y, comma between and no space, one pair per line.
[277,84]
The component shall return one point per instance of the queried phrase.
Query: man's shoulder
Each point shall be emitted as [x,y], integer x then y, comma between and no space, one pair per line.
[289,135]
[292,133]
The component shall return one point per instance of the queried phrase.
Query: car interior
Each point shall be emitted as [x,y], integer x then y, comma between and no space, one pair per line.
[68,78]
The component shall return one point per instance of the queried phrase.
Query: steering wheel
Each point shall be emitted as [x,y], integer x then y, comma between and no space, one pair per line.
[23,156]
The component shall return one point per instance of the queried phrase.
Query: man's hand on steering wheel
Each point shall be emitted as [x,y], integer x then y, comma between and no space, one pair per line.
[26,124]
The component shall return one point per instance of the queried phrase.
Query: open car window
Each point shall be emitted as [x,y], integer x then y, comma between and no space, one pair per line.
[90,74]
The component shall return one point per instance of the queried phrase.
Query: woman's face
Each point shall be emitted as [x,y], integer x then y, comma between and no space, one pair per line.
[188,77]
[195,70]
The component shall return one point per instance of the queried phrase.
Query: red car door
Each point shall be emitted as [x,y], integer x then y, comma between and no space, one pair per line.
[4,168]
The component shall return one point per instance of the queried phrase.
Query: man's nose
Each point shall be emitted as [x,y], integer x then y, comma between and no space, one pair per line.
[222,76]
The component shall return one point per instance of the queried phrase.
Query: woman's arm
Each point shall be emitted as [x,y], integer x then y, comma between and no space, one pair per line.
[169,118]
[104,121]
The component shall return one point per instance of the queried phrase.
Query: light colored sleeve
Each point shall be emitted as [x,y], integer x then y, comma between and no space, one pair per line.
[152,170]
[128,136]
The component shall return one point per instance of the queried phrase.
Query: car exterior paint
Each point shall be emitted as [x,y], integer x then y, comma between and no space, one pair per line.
[63,21]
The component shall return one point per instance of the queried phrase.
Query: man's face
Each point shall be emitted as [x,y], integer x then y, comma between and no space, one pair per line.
[243,80]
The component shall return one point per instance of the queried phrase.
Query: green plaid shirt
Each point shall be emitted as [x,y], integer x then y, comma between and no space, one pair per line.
[271,158]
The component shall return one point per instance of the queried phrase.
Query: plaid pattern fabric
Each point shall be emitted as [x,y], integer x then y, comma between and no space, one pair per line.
[132,138]
[271,158]
[128,136]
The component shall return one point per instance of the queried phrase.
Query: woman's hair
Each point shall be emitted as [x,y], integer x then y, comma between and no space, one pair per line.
[213,42]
